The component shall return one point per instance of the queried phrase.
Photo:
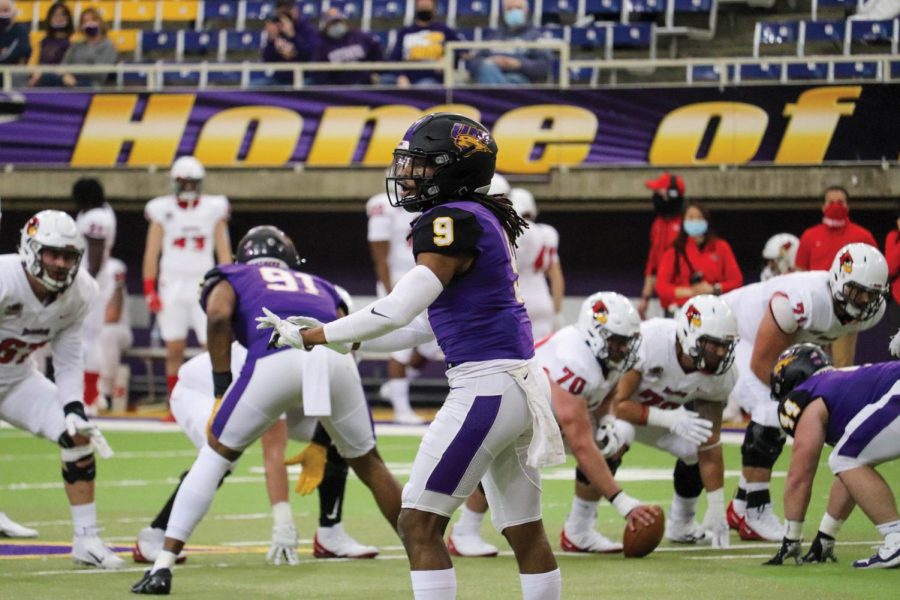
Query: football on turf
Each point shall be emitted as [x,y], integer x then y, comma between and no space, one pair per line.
[644,540]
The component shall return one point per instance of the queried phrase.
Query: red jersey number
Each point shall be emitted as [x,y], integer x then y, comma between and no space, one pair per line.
[16,351]
[197,242]
[576,385]
[651,398]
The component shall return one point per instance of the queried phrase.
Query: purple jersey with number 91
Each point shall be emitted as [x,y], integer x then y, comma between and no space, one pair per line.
[282,291]
[479,315]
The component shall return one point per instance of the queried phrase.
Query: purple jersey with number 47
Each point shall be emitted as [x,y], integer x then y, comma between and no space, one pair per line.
[846,392]
[282,291]
[478,316]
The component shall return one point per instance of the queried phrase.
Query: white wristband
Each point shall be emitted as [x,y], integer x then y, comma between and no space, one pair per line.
[658,417]
[624,503]
[793,530]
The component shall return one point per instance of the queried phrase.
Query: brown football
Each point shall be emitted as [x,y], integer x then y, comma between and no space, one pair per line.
[644,540]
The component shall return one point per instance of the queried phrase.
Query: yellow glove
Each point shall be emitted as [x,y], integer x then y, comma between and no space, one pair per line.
[312,462]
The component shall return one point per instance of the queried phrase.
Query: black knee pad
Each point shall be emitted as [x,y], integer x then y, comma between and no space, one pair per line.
[762,446]
[580,477]
[72,455]
[688,483]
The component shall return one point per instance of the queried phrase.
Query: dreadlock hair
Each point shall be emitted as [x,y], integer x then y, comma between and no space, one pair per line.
[502,208]
[87,194]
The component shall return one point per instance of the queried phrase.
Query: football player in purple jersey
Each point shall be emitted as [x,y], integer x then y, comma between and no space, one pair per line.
[855,410]
[324,383]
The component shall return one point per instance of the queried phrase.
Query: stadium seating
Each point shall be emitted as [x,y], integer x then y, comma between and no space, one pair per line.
[819,37]
[862,36]
[776,35]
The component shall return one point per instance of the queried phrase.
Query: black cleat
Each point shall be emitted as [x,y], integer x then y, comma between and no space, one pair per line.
[155,584]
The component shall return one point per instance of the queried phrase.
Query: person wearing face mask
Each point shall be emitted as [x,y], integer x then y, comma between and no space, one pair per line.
[819,243]
[290,37]
[15,48]
[341,43]
[698,262]
[422,41]
[55,44]
[512,67]
[94,49]
[668,203]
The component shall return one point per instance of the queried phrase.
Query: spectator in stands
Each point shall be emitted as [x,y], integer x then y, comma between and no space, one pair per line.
[422,41]
[55,44]
[95,49]
[892,254]
[341,43]
[877,10]
[15,47]
[289,38]
[820,243]
[698,262]
[668,204]
[512,66]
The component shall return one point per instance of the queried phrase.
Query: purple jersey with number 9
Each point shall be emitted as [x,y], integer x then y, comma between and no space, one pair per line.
[282,291]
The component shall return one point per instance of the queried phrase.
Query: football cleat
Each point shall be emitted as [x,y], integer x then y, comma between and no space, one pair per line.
[334,542]
[154,584]
[470,544]
[587,541]
[733,518]
[684,532]
[89,550]
[887,557]
[11,529]
[760,523]
[149,544]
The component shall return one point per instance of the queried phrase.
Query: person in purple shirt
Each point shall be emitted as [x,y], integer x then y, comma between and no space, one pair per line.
[422,41]
[233,296]
[496,426]
[289,38]
[341,43]
[855,410]
[54,45]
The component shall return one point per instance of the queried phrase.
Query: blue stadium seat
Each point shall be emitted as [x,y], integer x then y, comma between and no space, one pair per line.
[869,32]
[710,73]
[811,70]
[693,6]
[258,10]
[181,79]
[553,32]
[775,35]
[198,43]
[856,70]
[352,8]
[895,69]
[232,78]
[469,34]
[760,72]
[473,8]
[633,35]
[590,36]
[554,11]
[829,32]
[243,41]
[388,9]
[612,8]
[581,75]
[220,10]
[156,44]
[134,79]
[647,7]
[310,10]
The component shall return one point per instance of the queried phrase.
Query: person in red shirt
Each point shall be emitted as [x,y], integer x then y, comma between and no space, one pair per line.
[892,254]
[668,203]
[698,262]
[820,243]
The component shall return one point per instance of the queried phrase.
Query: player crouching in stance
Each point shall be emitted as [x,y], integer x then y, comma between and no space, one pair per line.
[496,425]
[685,363]
[44,298]
[233,295]
[323,469]
[584,362]
[856,411]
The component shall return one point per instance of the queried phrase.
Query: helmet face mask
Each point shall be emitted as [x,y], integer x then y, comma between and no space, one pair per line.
[713,356]
[266,245]
[706,331]
[611,328]
[410,181]
[51,248]
[858,280]
[794,366]
[187,180]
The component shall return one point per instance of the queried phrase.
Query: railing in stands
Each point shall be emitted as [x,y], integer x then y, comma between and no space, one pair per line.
[569,72]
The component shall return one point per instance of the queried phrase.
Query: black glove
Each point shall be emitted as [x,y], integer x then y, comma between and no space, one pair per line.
[789,549]
[821,550]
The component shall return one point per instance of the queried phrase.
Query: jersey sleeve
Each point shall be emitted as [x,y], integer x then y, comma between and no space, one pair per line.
[96,224]
[118,270]
[446,230]
[551,242]
[212,278]
[792,310]
[378,212]
[155,211]
[573,373]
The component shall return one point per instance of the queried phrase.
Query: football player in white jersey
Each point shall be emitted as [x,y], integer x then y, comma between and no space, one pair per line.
[538,263]
[186,228]
[584,362]
[44,297]
[814,306]
[323,469]
[780,254]
[685,361]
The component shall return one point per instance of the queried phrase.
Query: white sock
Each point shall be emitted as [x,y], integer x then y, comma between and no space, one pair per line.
[683,509]
[830,525]
[196,493]
[756,486]
[888,528]
[398,392]
[84,518]
[469,522]
[434,585]
[281,514]
[542,586]
[582,514]
[165,560]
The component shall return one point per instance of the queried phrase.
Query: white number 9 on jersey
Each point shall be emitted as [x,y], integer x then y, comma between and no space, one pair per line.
[443,231]
[280,280]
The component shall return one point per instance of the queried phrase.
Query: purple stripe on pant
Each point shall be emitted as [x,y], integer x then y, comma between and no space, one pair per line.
[232,398]
[870,428]
[453,464]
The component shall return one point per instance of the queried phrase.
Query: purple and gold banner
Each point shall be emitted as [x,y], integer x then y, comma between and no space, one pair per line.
[536,130]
